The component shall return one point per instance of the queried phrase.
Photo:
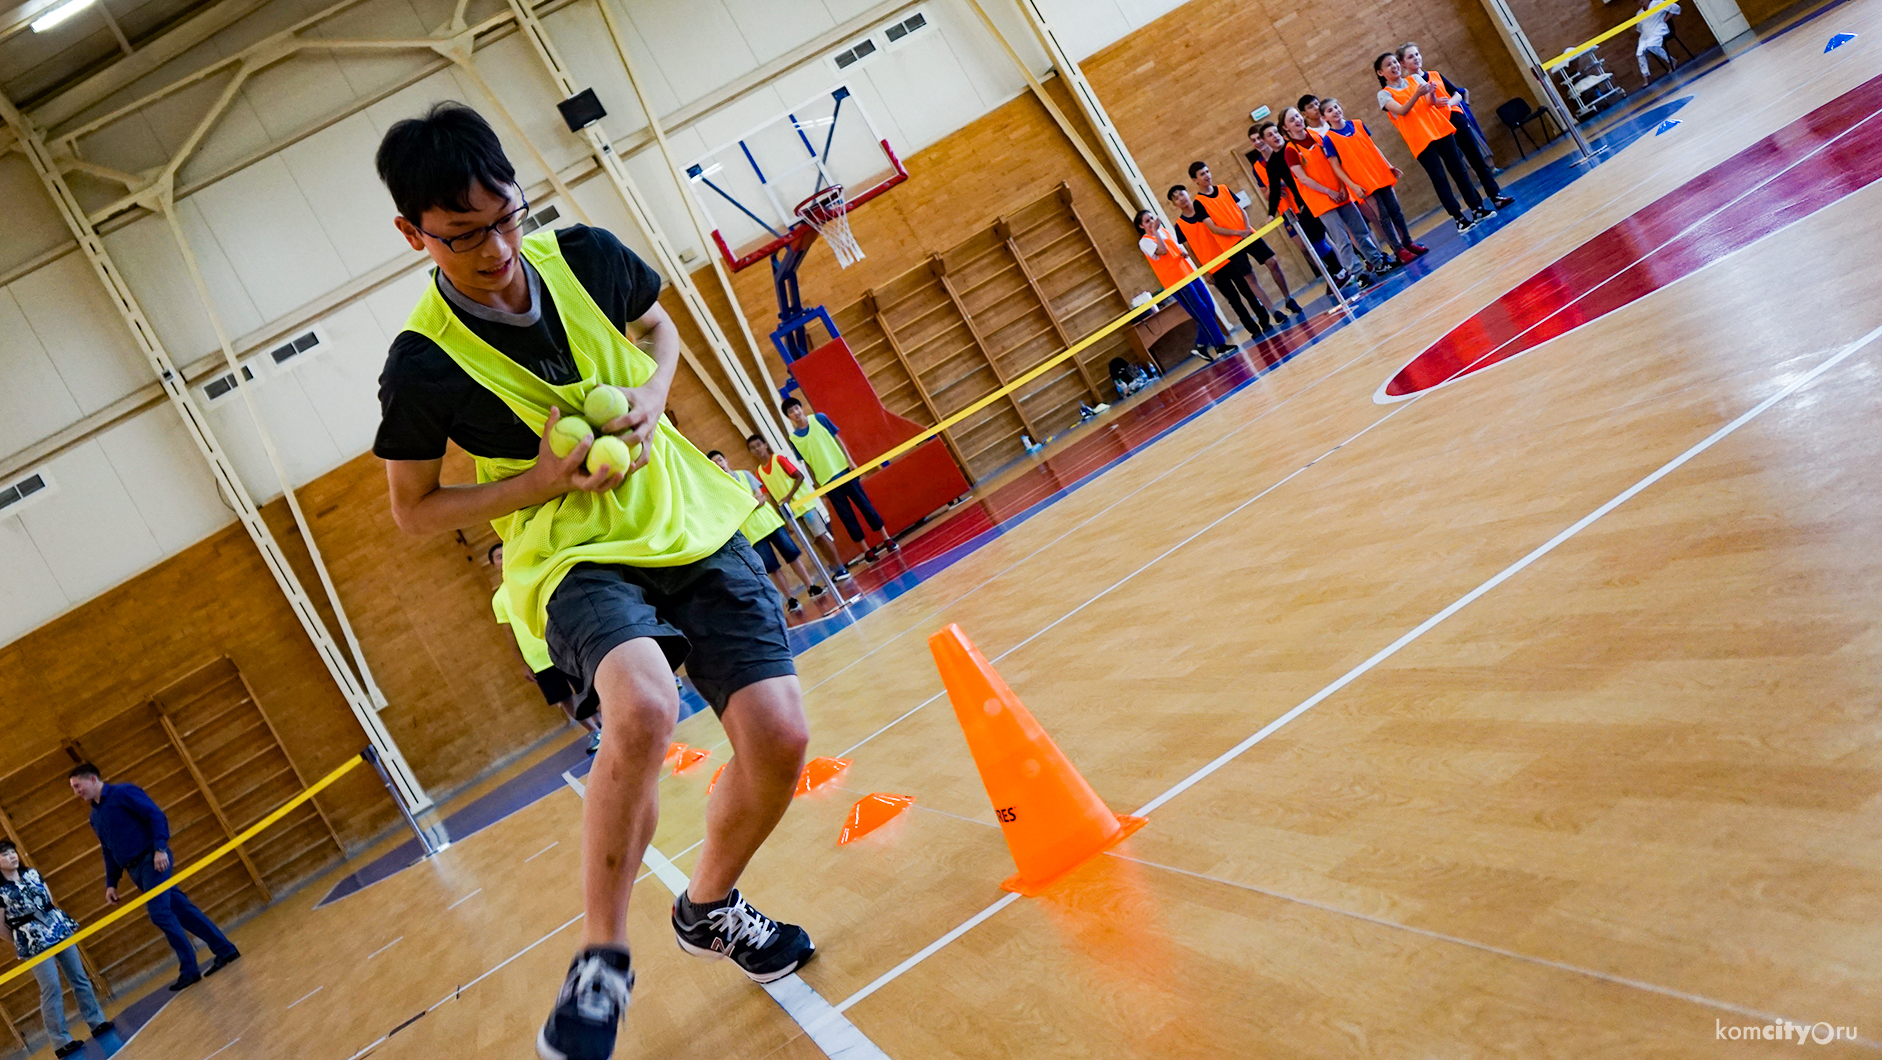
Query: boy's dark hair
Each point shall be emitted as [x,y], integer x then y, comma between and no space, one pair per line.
[431,162]
[1303,102]
[789,404]
[490,555]
[6,845]
[1197,167]
[712,453]
[1262,129]
[756,438]
[1174,188]
[84,769]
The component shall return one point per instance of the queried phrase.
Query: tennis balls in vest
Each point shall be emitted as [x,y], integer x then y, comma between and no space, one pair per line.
[611,450]
[568,432]
[605,404]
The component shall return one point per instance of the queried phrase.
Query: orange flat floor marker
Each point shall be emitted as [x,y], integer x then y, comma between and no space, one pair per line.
[871,812]
[1052,819]
[674,750]
[819,772]
[716,774]
[690,757]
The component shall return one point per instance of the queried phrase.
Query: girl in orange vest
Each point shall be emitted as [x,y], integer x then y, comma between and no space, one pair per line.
[1412,63]
[1170,264]
[1269,161]
[1427,130]
[1321,191]
[1363,168]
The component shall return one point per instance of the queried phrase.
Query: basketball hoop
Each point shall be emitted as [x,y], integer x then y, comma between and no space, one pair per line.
[828,214]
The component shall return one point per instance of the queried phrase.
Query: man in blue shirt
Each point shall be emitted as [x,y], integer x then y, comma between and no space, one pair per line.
[135,836]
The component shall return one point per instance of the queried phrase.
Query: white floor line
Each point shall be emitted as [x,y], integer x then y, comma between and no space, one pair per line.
[220,1051]
[1592,973]
[309,994]
[541,852]
[1418,631]
[385,947]
[464,899]
[581,790]
[826,1026]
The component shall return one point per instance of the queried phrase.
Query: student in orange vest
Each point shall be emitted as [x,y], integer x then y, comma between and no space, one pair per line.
[1427,130]
[1412,63]
[1207,240]
[1364,169]
[1171,264]
[1269,161]
[1309,106]
[1322,192]
[1227,213]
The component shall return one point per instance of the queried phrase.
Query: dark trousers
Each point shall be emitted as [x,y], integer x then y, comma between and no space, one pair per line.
[851,494]
[1441,155]
[1233,283]
[178,918]
[1391,217]
[1473,153]
[1194,298]
[1316,233]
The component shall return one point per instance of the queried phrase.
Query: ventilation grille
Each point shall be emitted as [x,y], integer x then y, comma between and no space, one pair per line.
[293,348]
[895,31]
[546,216]
[854,54]
[17,492]
[220,386]
[879,39]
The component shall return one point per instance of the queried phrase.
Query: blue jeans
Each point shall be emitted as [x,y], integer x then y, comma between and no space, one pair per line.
[52,995]
[1195,299]
[178,918]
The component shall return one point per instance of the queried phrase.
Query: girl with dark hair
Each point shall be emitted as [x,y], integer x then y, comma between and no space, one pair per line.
[1322,193]
[1427,130]
[1412,63]
[1171,264]
[37,924]
[1364,169]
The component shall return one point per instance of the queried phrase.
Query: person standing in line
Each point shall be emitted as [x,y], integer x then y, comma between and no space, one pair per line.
[1449,96]
[790,485]
[1206,243]
[1277,183]
[37,924]
[134,835]
[551,682]
[1364,169]
[819,444]
[1308,160]
[771,539]
[1227,214]
[1429,134]
[627,567]
[1171,264]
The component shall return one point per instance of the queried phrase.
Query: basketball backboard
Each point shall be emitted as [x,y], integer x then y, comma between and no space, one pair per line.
[750,188]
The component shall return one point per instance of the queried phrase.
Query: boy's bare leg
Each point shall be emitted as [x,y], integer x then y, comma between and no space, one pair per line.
[638,706]
[765,722]
[1280,279]
[827,546]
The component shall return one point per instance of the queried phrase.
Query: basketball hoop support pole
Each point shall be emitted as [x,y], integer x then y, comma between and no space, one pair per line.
[611,164]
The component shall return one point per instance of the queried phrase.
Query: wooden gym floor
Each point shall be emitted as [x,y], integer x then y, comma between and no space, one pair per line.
[1624,798]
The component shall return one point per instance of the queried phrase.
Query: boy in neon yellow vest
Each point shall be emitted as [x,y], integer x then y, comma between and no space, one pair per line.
[771,539]
[624,571]
[789,485]
[828,456]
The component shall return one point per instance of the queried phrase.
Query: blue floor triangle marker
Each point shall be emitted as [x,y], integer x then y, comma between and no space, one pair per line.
[1837,41]
[1666,127]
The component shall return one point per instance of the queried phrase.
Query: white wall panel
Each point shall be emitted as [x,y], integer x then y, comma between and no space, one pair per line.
[1087,26]
[166,478]
[925,89]
[297,93]
[656,184]
[663,97]
[585,45]
[89,533]
[342,380]
[33,400]
[29,595]
[236,134]
[306,448]
[263,225]
[127,144]
[392,304]
[33,225]
[771,28]
[697,45]
[334,172]
[82,332]
[148,257]
[517,76]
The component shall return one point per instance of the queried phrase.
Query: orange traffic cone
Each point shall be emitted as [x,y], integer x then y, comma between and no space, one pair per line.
[871,812]
[1053,821]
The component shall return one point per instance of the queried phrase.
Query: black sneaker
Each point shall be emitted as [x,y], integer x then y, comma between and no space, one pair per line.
[1485,212]
[69,1048]
[1298,311]
[791,605]
[587,1012]
[1465,224]
[1503,202]
[101,1029]
[763,948]
[818,592]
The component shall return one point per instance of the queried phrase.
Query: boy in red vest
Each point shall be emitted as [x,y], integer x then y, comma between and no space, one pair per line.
[828,456]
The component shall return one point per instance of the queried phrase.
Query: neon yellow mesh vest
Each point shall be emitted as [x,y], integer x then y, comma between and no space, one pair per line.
[764,518]
[777,483]
[819,449]
[535,652]
[678,509]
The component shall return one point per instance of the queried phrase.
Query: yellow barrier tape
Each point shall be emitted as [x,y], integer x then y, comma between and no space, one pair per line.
[1053,362]
[1588,46]
[183,874]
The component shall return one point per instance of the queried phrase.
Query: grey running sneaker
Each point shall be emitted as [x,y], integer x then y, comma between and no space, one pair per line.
[763,949]
[588,1011]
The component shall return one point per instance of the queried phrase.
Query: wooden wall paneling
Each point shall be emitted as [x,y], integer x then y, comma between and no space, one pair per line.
[1005,230]
[954,296]
[868,305]
[1015,327]
[1078,283]
[215,807]
[300,778]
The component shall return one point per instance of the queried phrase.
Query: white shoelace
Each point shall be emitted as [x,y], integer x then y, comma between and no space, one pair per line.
[740,921]
[600,991]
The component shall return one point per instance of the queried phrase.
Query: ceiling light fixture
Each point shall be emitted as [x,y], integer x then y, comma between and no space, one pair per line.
[59,14]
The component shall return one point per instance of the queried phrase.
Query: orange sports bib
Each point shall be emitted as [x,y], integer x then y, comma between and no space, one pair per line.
[1174,264]
[1423,124]
[1314,160]
[1205,243]
[1362,159]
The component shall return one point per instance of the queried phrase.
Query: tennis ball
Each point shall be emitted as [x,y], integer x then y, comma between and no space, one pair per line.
[568,432]
[605,404]
[611,450]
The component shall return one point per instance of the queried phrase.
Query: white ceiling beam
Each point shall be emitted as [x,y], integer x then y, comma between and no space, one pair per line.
[147,58]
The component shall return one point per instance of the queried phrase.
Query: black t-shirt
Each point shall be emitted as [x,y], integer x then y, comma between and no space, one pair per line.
[425,398]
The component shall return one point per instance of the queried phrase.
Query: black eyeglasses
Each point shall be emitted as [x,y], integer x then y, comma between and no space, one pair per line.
[464,242]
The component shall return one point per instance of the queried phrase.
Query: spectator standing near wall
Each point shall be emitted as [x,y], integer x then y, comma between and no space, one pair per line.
[37,924]
[135,837]
[828,457]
